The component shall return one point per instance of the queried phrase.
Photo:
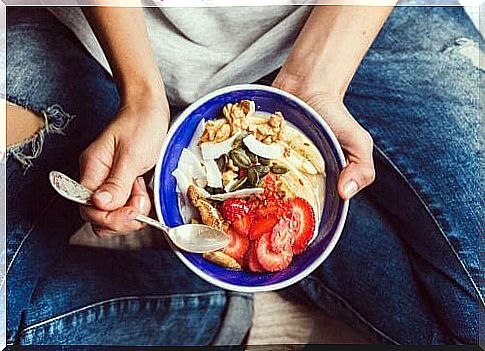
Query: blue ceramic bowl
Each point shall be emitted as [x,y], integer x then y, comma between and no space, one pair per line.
[307,120]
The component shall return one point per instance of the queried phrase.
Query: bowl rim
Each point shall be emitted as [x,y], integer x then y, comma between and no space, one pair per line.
[340,160]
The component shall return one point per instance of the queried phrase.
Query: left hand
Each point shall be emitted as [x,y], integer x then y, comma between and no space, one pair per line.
[113,164]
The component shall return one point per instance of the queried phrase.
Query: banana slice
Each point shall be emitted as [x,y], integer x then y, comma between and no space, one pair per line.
[297,160]
[299,185]
[300,144]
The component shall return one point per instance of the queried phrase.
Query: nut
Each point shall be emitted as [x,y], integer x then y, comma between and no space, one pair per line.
[236,114]
[216,131]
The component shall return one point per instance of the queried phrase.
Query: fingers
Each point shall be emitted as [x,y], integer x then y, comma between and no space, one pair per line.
[122,220]
[94,166]
[357,144]
[115,190]
[359,172]
[139,196]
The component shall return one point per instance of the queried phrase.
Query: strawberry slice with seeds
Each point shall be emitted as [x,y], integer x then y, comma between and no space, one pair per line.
[282,236]
[262,225]
[303,223]
[238,245]
[243,224]
[277,208]
[270,260]
[232,209]
[252,259]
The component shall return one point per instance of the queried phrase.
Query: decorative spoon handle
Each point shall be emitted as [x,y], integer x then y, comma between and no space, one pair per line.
[72,190]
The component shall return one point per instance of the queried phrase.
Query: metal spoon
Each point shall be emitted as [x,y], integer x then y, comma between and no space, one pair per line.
[198,238]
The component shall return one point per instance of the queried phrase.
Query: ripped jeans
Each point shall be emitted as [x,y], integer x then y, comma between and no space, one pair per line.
[406,269]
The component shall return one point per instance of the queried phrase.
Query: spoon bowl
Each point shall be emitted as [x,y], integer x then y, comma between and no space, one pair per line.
[196,238]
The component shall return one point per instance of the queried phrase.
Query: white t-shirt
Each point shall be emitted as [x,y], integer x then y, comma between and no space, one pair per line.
[204,48]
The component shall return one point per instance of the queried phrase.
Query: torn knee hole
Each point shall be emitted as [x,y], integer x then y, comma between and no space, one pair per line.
[22,124]
[53,120]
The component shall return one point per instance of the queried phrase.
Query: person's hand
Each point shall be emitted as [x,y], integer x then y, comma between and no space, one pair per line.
[113,164]
[355,141]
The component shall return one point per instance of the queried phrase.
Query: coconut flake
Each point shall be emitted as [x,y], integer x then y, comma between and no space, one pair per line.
[271,151]
[214,177]
[194,143]
[190,165]
[212,151]
[183,181]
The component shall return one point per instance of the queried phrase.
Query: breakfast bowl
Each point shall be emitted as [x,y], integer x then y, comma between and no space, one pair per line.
[330,215]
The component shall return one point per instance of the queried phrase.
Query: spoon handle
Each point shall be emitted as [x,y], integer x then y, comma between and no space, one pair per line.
[72,190]
[152,222]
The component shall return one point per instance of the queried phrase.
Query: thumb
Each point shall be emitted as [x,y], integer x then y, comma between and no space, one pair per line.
[354,178]
[116,189]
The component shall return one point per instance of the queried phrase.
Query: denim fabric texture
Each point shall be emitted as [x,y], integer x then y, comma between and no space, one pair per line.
[405,271]
[61,294]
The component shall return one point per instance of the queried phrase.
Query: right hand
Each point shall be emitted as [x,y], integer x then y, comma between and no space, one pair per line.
[356,142]
[113,164]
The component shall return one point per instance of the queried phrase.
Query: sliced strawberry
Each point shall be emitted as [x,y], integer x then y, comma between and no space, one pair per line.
[270,260]
[243,224]
[282,236]
[232,209]
[252,259]
[262,225]
[277,208]
[238,245]
[303,222]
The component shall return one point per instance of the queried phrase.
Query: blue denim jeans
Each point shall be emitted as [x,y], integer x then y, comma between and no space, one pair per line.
[406,269]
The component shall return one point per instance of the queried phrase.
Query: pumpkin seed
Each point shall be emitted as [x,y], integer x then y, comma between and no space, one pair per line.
[239,158]
[222,162]
[252,157]
[278,169]
[262,170]
[237,143]
[239,183]
[214,191]
[264,161]
[253,176]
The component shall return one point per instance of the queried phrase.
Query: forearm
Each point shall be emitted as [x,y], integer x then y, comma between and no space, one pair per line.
[330,48]
[123,36]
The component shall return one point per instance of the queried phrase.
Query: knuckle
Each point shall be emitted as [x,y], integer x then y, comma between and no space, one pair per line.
[84,156]
[116,226]
[369,175]
[117,183]
[367,137]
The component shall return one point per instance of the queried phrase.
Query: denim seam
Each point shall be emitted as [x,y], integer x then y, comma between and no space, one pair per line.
[435,220]
[117,299]
[354,311]
[14,257]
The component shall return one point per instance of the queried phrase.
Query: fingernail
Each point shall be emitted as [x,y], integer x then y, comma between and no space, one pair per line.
[350,189]
[141,203]
[103,196]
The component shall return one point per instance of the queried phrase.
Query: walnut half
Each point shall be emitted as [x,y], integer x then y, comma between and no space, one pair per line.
[236,114]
